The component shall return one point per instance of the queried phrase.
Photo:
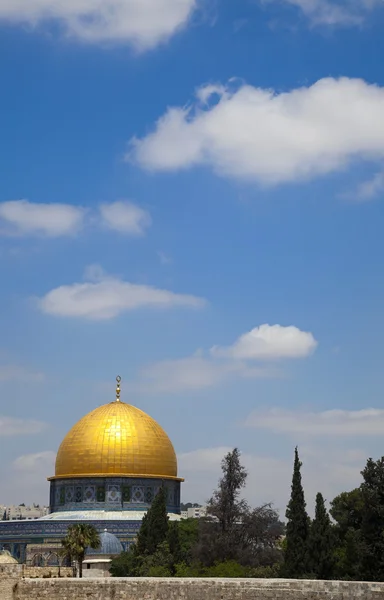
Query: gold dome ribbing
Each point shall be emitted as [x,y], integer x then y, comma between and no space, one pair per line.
[116,439]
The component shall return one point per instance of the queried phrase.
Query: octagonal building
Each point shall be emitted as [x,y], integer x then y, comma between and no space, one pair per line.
[109,467]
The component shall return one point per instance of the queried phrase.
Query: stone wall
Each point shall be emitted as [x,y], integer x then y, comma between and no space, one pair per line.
[194,589]
[46,572]
[14,587]
[9,577]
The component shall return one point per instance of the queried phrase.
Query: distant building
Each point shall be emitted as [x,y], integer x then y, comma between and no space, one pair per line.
[197,512]
[25,513]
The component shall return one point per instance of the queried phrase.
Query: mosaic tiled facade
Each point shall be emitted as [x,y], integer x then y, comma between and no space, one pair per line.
[121,493]
[15,536]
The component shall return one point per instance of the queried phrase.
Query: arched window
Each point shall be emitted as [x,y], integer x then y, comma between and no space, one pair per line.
[53,560]
[38,561]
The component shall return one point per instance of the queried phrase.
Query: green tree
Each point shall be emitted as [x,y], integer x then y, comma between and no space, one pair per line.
[347,511]
[321,545]
[152,533]
[158,564]
[220,533]
[80,537]
[188,531]
[154,527]
[372,524]
[225,504]
[296,553]
[125,565]
[174,545]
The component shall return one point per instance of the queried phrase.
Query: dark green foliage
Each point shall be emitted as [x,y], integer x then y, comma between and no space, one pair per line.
[142,538]
[229,568]
[174,544]
[321,542]
[347,511]
[154,527]
[296,553]
[188,530]
[372,524]
[124,565]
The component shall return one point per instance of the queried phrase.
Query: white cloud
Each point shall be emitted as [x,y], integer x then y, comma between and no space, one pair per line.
[141,23]
[125,217]
[18,373]
[42,462]
[260,135]
[11,426]
[269,342]
[341,423]
[222,364]
[22,217]
[372,188]
[194,373]
[25,478]
[108,297]
[335,12]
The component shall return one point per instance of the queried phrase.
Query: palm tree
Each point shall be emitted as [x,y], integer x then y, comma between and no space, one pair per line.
[80,537]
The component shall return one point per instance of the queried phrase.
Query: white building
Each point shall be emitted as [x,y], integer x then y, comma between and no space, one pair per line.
[25,513]
[194,513]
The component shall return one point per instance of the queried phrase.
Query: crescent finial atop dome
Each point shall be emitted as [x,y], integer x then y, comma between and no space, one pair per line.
[118,379]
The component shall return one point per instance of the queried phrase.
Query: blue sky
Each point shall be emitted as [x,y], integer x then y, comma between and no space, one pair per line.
[194,199]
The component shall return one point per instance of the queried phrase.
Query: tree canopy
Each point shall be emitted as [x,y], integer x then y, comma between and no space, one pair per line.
[80,537]
[296,553]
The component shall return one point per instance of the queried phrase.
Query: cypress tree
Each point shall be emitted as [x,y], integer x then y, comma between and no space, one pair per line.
[157,522]
[321,542]
[296,553]
[154,526]
[142,537]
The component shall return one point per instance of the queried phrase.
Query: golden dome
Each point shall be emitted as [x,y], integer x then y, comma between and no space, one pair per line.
[116,439]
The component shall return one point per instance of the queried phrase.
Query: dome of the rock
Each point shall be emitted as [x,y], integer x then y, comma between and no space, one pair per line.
[115,458]
[109,469]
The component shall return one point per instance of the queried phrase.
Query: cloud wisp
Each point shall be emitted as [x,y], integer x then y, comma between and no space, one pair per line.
[195,373]
[142,24]
[11,426]
[36,462]
[106,297]
[125,217]
[20,373]
[25,218]
[28,219]
[340,423]
[333,13]
[252,356]
[262,136]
